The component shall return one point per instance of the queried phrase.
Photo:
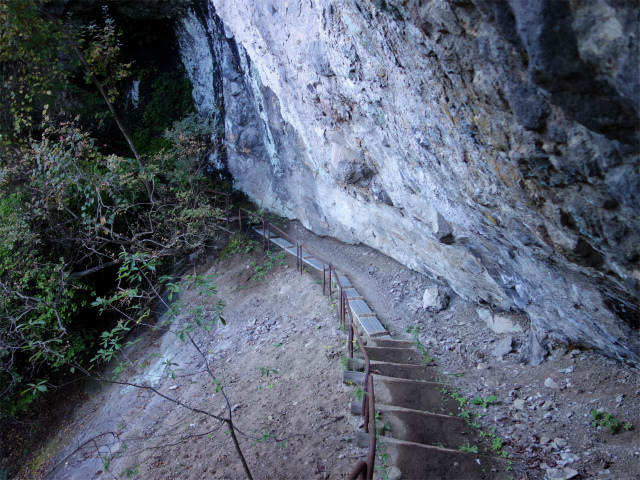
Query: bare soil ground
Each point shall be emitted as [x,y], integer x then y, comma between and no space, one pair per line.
[284,323]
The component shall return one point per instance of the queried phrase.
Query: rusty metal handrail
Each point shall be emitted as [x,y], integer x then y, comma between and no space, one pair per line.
[367,374]
[301,247]
[240,210]
[282,234]
[359,471]
[363,469]
[371,459]
[226,196]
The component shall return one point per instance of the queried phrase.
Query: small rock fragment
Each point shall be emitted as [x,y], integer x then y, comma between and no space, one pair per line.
[546,406]
[499,323]
[518,404]
[550,383]
[560,443]
[561,473]
[504,347]
[482,366]
[435,299]
[394,473]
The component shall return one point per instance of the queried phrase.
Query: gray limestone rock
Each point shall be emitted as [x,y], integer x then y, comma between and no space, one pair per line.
[435,299]
[504,347]
[489,145]
[502,323]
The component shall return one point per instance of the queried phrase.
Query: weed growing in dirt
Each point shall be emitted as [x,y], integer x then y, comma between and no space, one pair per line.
[262,270]
[359,393]
[484,403]
[427,359]
[497,443]
[469,448]
[344,361]
[606,420]
[266,371]
[465,413]
[238,243]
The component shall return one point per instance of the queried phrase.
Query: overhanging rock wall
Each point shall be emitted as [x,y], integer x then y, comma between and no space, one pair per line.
[491,145]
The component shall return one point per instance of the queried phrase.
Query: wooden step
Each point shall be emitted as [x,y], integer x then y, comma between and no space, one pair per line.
[412,394]
[397,370]
[377,342]
[394,355]
[426,462]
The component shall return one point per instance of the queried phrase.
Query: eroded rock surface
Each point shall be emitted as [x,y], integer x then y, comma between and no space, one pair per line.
[488,144]
[491,145]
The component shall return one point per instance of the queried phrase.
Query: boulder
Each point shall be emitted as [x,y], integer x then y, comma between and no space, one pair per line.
[435,299]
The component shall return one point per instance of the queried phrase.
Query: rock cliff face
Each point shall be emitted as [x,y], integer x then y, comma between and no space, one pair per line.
[491,145]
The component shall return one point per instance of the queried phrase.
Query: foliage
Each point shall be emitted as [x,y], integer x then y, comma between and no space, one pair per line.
[31,49]
[483,403]
[469,448]
[606,420]
[70,211]
[427,359]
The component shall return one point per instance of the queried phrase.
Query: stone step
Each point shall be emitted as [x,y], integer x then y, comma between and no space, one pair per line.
[377,342]
[361,309]
[394,355]
[397,370]
[281,242]
[364,315]
[312,262]
[372,326]
[426,462]
[352,294]
[426,428]
[413,394]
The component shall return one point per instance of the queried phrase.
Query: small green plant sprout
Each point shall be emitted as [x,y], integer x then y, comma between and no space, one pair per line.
[628,426]
[35,388]
[484,403]
[465,413]
[359,393]
[266,371]
[469,448]
[606,420]
[459,398]
[265,436]
[475,425]
[344,361]
[276,345]
[497,443]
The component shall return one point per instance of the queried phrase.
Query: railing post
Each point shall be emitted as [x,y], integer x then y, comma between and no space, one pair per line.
[371,460]
[350,341]
[268,234]
[324,281]
[227,212]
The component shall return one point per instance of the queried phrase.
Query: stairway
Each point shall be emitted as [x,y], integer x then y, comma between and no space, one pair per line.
[419,430]
[359,308]
[417,424]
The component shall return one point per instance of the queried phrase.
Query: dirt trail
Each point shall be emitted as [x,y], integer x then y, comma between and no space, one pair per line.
[284,323]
